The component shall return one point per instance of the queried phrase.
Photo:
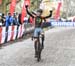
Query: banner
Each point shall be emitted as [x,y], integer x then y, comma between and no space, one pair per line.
[23,13]
[63,24]
[26,2]
[58,11]
[20,31]
[12,32]
[0,2]
[9,33]
[12,6]
[2,34]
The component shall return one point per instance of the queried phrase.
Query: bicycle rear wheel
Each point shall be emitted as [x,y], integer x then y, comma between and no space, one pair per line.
[39,52]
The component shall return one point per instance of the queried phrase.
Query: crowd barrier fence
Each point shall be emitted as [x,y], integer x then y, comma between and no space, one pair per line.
[15,32]
[12,33]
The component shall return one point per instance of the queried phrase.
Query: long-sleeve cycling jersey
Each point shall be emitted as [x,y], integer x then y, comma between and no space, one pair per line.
[38,19]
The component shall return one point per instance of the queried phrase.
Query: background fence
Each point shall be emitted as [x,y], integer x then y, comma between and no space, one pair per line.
[13,32]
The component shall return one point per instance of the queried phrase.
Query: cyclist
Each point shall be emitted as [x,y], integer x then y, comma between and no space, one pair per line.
[38,25]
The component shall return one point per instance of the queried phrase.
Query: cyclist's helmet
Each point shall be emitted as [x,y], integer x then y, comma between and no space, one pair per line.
[39,10]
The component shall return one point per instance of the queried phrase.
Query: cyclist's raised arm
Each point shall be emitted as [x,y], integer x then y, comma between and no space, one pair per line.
[29,12]
[48,15]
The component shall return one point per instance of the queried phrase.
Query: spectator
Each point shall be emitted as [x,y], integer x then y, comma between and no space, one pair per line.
[3,15]
[9,20]
[19,18]
[3,19]
[16,20]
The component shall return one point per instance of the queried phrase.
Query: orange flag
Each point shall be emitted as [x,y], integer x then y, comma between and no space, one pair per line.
[12,6]
[26,2]
[23,14]
[0,2]
[58,11]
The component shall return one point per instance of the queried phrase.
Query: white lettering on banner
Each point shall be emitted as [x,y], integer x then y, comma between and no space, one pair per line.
[60,24]
[54,23]
[63,23]
[69,24]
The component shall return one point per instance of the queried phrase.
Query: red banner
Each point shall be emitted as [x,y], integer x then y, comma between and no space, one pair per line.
[0,2]
[23,13]
[12,33]
[12,6]
[26,2]
[58,11]
[0,34]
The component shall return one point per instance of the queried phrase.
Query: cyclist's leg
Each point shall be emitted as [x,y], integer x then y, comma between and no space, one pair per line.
[39,45]
[43,41]
[35,41]
[39,51]
[43,37]
[35,46]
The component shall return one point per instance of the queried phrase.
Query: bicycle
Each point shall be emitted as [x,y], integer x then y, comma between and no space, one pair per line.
[39,47]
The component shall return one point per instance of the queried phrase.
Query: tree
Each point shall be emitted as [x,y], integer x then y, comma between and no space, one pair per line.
[3,6]
[35,4]
[69,7]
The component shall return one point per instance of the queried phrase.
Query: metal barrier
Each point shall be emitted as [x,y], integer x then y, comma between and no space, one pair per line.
[13,32]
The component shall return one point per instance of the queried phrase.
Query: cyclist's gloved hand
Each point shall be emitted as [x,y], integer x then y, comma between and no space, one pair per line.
[51,11]
[26,6]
